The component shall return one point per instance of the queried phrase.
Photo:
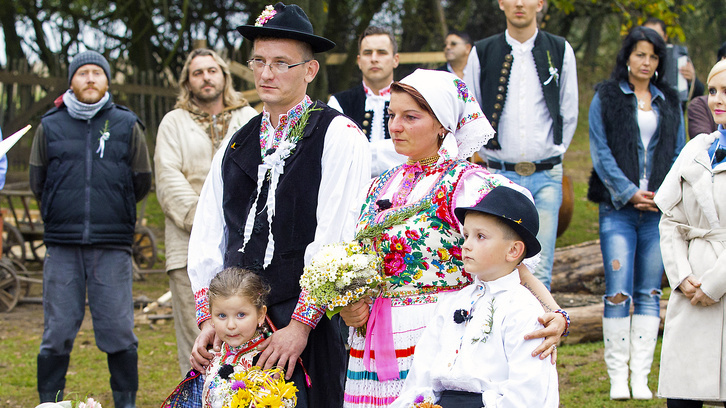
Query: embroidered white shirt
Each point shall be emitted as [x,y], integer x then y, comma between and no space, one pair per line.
[525,128]
[455,356]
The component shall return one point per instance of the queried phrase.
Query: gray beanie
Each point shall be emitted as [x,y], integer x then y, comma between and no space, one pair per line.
[85,58]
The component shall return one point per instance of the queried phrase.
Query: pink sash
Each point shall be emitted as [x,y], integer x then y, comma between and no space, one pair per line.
[380,331]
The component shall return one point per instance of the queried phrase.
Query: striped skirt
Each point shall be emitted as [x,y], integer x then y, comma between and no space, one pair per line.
[409,317]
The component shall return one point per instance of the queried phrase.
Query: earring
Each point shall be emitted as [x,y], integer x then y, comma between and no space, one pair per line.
[628,68]
[655,76]
[442,135]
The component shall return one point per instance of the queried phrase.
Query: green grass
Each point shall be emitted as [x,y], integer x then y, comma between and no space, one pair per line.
[88,372]
[584,381]
[577,165]
[582,374]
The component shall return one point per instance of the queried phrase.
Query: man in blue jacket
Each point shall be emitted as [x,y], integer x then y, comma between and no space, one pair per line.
[89,165]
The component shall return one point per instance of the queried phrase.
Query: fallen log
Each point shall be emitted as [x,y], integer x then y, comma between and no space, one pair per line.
[578,269]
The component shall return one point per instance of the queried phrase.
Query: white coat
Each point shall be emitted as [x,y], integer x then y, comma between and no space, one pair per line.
[693,242]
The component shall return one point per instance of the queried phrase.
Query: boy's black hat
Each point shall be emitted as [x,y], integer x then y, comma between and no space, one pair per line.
[516,209]
[286,22]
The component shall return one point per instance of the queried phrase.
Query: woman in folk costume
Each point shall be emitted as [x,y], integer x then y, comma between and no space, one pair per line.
[693,242]
[408,219]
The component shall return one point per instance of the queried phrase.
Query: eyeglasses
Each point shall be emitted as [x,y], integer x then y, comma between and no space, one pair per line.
[275,67]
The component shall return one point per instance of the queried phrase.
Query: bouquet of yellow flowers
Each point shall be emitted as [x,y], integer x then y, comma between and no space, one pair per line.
[341,274]
[422,402]
[255,388]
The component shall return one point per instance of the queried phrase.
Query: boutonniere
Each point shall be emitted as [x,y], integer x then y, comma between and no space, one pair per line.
[275,158]
[105,135]
[553,71]
[461,316]
[383,205]
[486,329]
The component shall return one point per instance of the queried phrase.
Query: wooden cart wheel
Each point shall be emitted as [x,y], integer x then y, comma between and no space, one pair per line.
[144,248]
[23,276]
[13,244]
[9,288]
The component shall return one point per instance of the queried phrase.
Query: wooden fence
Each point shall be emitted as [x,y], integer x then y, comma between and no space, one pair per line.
[25,96]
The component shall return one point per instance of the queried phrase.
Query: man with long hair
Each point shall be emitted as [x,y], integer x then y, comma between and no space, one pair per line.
[208,111]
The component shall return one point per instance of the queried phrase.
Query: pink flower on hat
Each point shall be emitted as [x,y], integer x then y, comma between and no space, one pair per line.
[265,16]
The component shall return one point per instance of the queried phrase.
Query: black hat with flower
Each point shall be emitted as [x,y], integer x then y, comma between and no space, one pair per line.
[283,21]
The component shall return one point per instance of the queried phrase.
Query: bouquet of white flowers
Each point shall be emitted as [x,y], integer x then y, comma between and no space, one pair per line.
[341,274]
[88,403]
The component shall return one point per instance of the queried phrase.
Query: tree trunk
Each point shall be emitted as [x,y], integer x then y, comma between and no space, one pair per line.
[592,41]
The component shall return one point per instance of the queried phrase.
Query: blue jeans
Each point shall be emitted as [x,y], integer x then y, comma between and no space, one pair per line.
[67,272]
[630,245]
[546,188]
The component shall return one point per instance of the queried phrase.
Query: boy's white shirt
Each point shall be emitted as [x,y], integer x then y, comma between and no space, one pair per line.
[502,369]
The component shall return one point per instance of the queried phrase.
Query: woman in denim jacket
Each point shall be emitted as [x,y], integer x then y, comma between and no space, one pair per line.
[636,132]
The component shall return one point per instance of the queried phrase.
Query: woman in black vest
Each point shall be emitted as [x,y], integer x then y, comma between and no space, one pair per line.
[636,132]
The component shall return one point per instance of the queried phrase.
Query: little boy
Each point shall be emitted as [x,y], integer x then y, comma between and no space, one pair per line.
[473,352]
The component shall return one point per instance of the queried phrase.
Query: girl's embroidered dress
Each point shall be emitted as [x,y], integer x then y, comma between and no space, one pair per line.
[409,215]
[240,358]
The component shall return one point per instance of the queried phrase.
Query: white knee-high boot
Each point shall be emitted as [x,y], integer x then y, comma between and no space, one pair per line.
[616,335]
[643,338]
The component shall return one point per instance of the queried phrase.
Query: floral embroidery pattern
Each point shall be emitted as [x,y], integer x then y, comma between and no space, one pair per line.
[287,121]
[265,16]
[420,244]
[463,91]
[486,329]
[468,118]
[202,305]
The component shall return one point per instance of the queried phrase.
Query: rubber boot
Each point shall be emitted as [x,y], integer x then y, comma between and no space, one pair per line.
[123,367]
[643,338]
[51,376]
[124,399]
[616,335]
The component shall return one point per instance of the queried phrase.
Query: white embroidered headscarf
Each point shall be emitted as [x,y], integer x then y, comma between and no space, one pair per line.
[456,109]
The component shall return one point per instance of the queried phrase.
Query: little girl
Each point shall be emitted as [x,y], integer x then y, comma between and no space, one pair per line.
[237,305]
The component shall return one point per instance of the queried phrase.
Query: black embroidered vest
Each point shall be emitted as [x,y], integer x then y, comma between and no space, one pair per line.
[622,131]
[353,102]
[495,59]
[294,222]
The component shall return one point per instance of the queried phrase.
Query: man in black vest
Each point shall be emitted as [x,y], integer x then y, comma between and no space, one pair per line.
[526,82]
[89,165]
[287,183]
[367,103]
